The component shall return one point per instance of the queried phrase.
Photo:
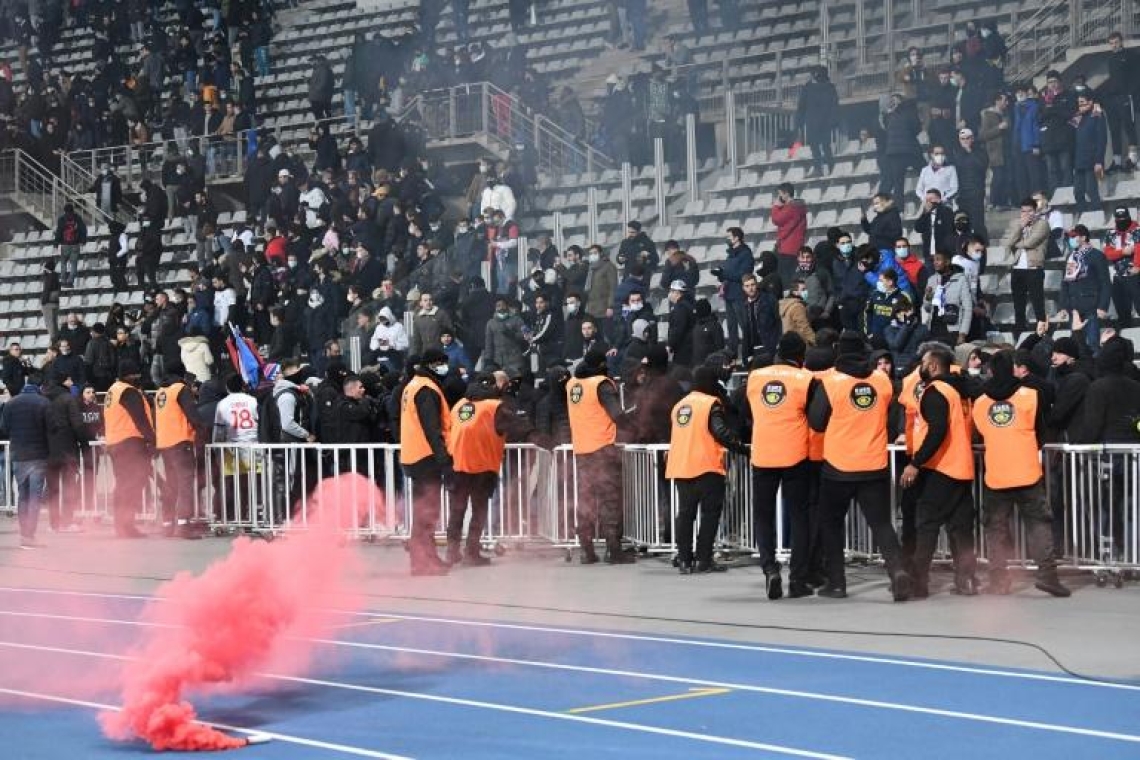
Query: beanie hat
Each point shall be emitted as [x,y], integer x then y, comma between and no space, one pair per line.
[433,356]
[656,357]
[705,380]
[595,358]
[1068,347]
[1115,355]
[851,342]
[702,309]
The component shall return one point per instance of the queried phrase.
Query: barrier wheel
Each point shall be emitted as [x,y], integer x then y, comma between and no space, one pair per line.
[569,556]
[499,550]
[1101,580]
[1118,580]
[219,532]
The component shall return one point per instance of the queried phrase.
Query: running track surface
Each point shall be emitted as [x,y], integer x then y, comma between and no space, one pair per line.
[397,686]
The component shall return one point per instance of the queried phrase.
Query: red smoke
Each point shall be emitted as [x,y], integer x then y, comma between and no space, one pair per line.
[249,612]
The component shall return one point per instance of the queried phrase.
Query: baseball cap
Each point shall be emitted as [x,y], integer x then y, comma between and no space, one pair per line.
[284,173]
[678,285]
[965,132]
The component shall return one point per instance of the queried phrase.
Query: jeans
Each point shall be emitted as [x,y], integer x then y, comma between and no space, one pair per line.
[350,106]
[821,154]
[1058,170]
[31,481]
[737,317]
[69,261]
[189,81]
[1086,186]
[261,57]
[51,323]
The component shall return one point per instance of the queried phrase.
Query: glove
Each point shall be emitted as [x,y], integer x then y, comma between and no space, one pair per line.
[716,271]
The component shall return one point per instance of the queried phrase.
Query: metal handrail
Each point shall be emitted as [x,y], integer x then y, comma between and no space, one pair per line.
[43,193]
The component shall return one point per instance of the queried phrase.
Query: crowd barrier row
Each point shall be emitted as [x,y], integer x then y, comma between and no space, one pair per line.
[1093,490]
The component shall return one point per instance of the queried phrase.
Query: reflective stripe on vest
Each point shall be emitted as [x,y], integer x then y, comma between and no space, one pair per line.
[692,449]
[856,437]
[119,425]
[778,397]
[472,441]
[591,428]
[955,457]
[171,427]
[414,446]
[1009,430]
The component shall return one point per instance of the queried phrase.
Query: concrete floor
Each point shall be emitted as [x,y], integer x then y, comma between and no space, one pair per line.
[1093,633]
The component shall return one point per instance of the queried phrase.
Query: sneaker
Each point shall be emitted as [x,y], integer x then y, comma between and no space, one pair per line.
[797,590]
[72,528]
[476,560]
[30,543]
[1052,585]
[711,567]
[774,585]
[902,586]
[832,592]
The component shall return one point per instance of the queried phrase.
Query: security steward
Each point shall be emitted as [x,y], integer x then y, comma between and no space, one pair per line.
[777,404]
[130,440]
[481,424]
[700,434]
[850,407]
[424,424]
[1010,418]
[176,431]
[594,409]
[944,452]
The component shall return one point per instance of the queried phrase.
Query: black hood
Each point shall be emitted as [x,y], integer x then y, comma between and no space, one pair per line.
[855,365]
[480,392]
[583,371]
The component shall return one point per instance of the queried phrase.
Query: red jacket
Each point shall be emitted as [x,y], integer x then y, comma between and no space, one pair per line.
[275,252]
[791,226]
[1115,242]
[913,266]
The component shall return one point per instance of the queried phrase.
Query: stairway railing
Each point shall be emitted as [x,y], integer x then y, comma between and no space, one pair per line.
[41,193]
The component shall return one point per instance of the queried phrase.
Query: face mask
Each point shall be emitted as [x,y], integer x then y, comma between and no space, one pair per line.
[902,253]
[985,33]
[846,248]
[962,226]
[501,315]
[292,264]
[1123,224]
[461,230]
[1020,98]
[441,370]
[973,371]
[1074,243]
[881,286]
[976,255]
[594,258]
[635,306]
[939,159]
[571,308]
[804,294]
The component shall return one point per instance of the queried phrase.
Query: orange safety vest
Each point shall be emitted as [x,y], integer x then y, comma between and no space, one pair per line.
[955,457]
[1009,430]
[693,451]
[119,425]
[171,427]
[591,428]
[815,440]
[472,441]
[909,395]
[414,446]
[778,397]
[856,437]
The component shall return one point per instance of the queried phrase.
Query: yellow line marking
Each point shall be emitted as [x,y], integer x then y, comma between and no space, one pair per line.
[374,621]
[690,694]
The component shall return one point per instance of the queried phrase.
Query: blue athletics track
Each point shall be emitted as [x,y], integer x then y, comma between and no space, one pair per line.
[417,686]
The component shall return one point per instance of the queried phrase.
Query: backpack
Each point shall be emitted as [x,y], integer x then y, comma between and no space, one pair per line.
[268,418]
[70,235]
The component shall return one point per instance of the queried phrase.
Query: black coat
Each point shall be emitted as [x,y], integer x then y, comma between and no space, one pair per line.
[901,127]
[67,432]
[24,422]
[682,320]
[818,110]
[971,167]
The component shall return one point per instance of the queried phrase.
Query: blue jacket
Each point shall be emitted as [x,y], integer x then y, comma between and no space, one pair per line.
[627,286]
[1092,141]
[457,356]
[1027,125]
[850,285]
[24,422]
[739,263]
[887,261]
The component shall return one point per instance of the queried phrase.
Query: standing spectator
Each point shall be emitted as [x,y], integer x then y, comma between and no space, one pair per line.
[680,266]
[1030,165]
[148,254]
[1088,157]
[948,305]
[682,320]
[70,236]
[1057,133]
[68,369]
[506,341]
[935,223]
[994,135]
[389,342]
[108,192]
[24,424]
[731,273]
[76,332]
[1122,249]
[49,298]
[322,81]
[1120,95]
[886,227]
[637,249]
[100,358]
[1027,239]
[940,129]
[794,313]
[851,289]
[884,304]
[1087,287]
[14,369]
[708,333]
[816,114]
[900,149]
[429,321]
[937,175]
[970,99]
[67,437]
[761,327]
[789,215]
[601,283]
[972,163]
[914,79]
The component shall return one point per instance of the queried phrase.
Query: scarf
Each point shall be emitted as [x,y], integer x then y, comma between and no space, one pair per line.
[1077,267]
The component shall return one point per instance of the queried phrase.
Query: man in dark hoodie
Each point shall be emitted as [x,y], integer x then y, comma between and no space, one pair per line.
[67,435]
[595,410]
[943,450]
[696,465]
[850,406]
[1011,421]
[424,456]
[731,272]
[24,422]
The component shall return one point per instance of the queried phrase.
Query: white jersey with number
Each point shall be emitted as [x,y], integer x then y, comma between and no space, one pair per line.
[237,416]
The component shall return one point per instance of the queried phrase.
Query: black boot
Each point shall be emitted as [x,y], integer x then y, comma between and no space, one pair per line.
[902,586]
[1048,582]
[615,554]
[712,566]
[774,585]
[798,589]
[588,555]
[453,556]
[473,557]
[965,584]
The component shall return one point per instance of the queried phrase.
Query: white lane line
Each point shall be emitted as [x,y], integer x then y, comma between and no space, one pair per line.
[287,738]
[770,690]
[640,728]
[759,648]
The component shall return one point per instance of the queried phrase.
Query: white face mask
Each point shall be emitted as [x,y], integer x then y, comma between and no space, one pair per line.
[846,247]
[902,253]
[975,255]
[571,308]
[939,159]
[804,294]
[881,286]
[635,306]
[974,371]
[594,258]
[441,370]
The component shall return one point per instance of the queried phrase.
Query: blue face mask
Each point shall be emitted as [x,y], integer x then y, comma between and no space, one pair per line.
[1074,243]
